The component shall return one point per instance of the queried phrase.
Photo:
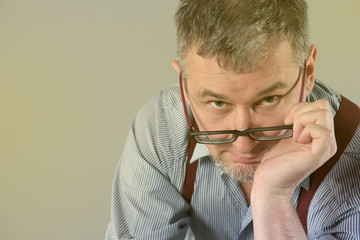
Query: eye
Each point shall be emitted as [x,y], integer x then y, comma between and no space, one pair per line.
[218,104]
[270,100]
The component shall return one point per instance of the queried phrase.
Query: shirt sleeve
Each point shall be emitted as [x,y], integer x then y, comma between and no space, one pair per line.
[345,224]
[337,212]
[145,203]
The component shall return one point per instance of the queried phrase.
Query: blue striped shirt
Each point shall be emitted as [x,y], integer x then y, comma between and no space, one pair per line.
[147,201]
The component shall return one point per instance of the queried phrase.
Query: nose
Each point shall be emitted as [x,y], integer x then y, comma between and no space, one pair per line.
[244,144]
[243,120]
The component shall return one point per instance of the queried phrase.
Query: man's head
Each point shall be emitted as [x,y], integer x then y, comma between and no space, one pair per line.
[239,33]
[242,60]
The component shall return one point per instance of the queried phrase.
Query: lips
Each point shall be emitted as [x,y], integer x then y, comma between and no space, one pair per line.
[247,159]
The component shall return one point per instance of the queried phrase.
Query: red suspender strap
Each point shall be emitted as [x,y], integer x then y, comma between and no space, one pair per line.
[190,175]
[346,121]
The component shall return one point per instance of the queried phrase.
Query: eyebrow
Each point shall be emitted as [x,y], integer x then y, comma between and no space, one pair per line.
[275,86]
[208,93]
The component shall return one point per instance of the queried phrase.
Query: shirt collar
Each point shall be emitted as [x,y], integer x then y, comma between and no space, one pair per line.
[200,151]
[305,183]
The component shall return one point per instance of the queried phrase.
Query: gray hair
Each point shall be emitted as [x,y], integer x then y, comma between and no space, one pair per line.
[239,33]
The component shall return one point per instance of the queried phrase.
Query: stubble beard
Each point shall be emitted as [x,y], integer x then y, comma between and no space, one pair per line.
[240,173]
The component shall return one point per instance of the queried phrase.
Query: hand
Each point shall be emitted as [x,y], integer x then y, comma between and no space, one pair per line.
[292,160]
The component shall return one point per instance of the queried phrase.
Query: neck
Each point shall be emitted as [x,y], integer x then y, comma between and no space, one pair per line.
[246,189]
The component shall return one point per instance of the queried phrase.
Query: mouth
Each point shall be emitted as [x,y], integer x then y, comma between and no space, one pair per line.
[248,159]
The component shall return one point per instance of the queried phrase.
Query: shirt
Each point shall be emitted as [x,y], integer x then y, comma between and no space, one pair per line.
[146,196]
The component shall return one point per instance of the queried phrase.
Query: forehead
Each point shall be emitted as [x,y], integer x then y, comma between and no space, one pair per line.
[280,55]
[206,78]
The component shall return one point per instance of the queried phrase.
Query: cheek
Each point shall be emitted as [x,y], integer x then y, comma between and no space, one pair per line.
[215,150]
[206,122]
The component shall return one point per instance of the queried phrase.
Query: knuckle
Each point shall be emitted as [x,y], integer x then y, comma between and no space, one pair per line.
[323,104]
[332,143]
[325,113]
[334,147]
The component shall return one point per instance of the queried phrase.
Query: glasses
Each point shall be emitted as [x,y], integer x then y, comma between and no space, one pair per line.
[229,136]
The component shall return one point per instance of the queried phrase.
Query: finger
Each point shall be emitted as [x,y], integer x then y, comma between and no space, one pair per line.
[322,140]
[303,107]
[320,117]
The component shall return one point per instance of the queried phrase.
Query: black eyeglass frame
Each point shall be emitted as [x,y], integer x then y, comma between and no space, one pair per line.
[236,133]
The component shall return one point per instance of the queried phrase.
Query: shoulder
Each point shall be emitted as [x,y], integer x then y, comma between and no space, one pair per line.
[323,91]
[336,204]
[162,119]
[343,180]
[161,104]
[159,132]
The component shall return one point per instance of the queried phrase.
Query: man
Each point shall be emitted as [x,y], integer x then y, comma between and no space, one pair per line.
[245,66]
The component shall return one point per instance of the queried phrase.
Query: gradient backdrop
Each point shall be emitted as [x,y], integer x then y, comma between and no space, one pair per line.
[72,75]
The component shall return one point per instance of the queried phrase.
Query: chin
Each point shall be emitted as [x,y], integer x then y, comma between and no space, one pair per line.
[238,171]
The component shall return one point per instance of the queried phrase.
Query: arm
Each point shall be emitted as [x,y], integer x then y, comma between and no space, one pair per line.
[145,202]
[275,218]
[286,165]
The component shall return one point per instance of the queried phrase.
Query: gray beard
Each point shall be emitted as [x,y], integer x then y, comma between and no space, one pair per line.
[239,174]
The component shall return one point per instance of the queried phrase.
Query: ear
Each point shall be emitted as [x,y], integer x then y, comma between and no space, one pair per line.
[176,66]
[310,70]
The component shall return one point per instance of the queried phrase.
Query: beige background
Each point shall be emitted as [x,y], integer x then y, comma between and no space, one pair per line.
[74,72]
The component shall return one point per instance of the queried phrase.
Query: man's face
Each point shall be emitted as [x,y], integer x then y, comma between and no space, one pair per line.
[223,100]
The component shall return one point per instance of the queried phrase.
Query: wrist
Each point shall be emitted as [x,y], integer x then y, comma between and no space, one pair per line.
[275,216]
[263,192]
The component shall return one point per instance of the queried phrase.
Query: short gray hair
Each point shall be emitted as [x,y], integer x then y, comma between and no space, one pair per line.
[238,33]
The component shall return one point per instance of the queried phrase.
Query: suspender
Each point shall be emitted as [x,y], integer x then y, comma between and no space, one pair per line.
[190,174]
[346,121]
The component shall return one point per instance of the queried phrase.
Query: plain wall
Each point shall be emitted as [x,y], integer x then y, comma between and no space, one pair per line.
[73,74]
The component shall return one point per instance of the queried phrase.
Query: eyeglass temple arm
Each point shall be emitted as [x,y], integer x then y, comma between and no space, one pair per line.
[303,84]
[183,102]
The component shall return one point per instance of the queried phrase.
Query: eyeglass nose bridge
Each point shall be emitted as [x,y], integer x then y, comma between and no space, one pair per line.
[247,133]
[252,133]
